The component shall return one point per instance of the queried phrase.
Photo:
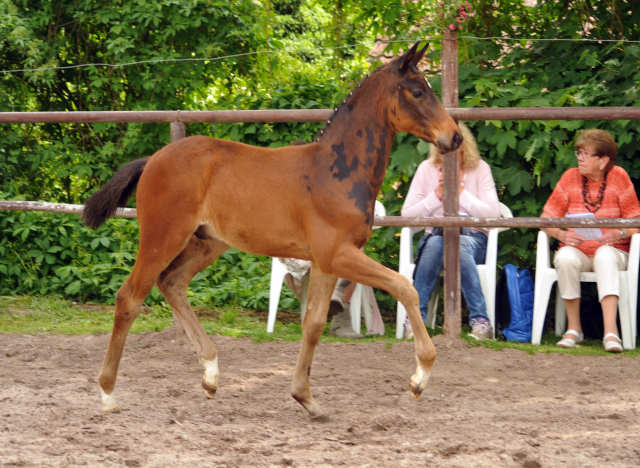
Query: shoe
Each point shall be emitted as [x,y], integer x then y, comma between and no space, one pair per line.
[612,346]
[346,332]
[481,329]
[408,331]
[341,326]
[567,342]
[337,305]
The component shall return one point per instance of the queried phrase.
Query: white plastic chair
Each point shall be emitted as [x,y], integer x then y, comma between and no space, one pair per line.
[487,273]
[359,304]
[546,276]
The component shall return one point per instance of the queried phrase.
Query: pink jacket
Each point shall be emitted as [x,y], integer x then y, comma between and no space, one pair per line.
[478,199]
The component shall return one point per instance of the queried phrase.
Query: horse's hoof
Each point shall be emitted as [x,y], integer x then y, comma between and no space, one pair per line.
[323,418]
[209,390]
[116,410]
[417,385]
[109,403]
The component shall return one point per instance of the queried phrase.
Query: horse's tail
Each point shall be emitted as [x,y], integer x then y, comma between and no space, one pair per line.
[104,203]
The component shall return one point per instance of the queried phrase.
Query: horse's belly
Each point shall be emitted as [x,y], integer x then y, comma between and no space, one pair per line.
[268,240]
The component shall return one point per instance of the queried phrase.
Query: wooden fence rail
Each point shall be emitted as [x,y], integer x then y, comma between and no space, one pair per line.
[314,115]
[386,221]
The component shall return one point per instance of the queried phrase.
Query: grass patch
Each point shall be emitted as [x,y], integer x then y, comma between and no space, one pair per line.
[46,314]
[547,346]
[35,314]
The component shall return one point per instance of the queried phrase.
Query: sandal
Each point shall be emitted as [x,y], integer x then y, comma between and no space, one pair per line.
[612,346]
[570,342]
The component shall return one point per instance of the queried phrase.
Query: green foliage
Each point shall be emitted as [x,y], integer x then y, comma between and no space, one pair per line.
[54,254]
[275,63]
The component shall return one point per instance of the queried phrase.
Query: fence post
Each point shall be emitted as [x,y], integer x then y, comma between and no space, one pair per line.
[178,130]
[452,314]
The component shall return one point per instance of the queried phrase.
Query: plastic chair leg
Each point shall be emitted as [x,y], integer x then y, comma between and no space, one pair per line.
[355,307]
[625,314]
[401,316]
[561,314]
[366,306]
[540,303]
[305,295]
[278,272]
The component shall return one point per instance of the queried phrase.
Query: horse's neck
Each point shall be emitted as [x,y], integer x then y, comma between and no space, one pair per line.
[360,140]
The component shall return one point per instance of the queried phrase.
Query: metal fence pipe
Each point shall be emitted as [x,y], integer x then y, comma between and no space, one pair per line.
[537,223]
[546,113]
[314,115]
[281,115]
[385,221]
[59,208]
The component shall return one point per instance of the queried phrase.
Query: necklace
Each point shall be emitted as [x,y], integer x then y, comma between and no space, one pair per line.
[591,205]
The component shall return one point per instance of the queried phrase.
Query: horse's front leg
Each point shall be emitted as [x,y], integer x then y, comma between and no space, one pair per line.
[320,288]
[351,263]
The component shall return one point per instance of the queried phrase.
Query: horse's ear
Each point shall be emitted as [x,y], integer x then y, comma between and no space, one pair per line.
[418,56]
[407,58]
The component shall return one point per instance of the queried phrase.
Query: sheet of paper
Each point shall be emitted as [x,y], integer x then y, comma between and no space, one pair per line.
[587,233]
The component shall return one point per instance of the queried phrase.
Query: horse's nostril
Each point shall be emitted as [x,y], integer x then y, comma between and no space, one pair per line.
[456,141]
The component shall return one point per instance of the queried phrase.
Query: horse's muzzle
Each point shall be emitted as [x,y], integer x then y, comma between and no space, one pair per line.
[447,146]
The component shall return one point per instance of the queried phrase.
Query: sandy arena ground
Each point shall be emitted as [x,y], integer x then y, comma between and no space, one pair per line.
[482,407]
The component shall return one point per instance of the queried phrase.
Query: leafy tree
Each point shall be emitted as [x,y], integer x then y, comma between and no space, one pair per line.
[274,61]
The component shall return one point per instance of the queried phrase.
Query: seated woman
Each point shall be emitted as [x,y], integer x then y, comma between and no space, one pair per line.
[478,198]
[598,187]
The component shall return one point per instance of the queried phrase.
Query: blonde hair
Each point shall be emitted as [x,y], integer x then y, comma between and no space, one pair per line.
[471,155]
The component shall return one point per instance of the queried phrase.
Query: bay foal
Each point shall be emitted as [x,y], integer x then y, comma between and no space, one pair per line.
[199,196]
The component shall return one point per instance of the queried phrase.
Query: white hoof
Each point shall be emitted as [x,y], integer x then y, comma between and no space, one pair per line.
[419,382]
[109,403]
[211,377]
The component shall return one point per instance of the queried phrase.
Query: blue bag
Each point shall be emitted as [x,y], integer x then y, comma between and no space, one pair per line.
[514,303]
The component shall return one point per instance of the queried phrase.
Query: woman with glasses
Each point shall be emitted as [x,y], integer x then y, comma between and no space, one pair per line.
[596,186]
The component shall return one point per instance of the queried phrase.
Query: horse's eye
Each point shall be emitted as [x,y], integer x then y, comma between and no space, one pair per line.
[417,93]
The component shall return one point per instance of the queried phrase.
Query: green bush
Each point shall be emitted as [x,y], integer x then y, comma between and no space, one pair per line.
[54,254]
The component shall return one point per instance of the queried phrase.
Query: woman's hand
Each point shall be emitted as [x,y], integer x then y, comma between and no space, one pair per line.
[610,237]
[440,190]
[570,238]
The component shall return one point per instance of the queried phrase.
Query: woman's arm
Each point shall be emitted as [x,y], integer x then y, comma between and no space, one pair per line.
[566,237]
[422,200]
[613,236]
[485,203]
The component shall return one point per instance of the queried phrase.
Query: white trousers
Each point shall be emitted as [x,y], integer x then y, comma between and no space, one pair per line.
[606,263]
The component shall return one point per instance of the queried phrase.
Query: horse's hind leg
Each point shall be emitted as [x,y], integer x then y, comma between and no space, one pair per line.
[199,253]
[320,288]
[149,264]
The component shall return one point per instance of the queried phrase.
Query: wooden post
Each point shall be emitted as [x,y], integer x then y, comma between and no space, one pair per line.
[178,131]
[452,304]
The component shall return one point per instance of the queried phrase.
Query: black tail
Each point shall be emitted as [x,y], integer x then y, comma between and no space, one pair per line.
[103,204]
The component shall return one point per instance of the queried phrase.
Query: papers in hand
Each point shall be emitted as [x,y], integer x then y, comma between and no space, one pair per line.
[587,233]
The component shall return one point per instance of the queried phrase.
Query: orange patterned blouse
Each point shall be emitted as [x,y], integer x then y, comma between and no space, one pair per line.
[620,201]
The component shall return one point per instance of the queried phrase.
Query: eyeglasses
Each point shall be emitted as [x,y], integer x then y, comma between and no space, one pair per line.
[585,154]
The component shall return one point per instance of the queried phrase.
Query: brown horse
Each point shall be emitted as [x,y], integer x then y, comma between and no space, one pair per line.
[199,196]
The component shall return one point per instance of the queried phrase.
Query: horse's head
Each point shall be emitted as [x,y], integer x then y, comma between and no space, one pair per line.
[413,106]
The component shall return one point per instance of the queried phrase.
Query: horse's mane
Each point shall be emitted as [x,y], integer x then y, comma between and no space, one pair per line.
[351,100]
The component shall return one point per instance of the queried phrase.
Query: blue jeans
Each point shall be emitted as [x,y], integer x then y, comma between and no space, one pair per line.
[473,250]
